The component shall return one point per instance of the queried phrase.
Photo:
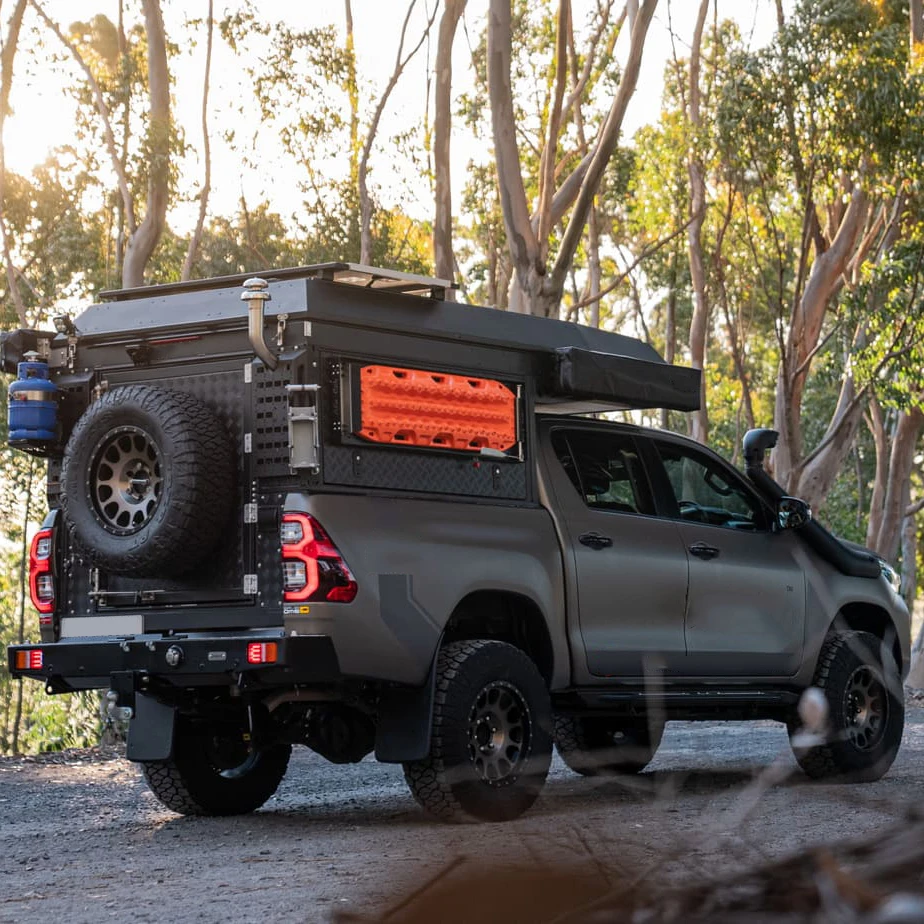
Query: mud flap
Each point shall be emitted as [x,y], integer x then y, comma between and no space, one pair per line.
[150,731]
[404,721]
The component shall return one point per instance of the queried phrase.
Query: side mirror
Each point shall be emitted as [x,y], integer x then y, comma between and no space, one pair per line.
[792,513]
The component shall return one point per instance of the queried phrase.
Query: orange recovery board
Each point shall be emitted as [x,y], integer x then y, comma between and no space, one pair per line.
[417,407]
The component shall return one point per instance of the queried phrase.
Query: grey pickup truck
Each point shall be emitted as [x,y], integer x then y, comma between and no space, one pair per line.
[331,507]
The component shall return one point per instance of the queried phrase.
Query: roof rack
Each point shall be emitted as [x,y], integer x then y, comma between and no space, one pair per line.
[353,274]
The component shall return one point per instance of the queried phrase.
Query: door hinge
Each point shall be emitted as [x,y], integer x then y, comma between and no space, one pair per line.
[250,583]
[250,513]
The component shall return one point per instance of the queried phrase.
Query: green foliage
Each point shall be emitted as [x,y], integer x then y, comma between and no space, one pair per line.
[303,82]
[889,303]
[30,719]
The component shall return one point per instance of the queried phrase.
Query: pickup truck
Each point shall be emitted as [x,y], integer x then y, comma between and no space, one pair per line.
[334,508]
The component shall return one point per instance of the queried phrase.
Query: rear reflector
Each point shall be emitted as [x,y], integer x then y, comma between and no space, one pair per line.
[29,660]
[262,653]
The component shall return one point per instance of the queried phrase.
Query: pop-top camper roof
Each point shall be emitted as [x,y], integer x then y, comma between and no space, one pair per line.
[579,369]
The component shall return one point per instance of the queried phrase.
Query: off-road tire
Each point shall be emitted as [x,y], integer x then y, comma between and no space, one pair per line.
[186,490]
[602,746]
[190,782]
[846,755]
[454,782]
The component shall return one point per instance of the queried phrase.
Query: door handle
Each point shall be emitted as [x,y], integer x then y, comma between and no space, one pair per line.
[703,551]
[595,540]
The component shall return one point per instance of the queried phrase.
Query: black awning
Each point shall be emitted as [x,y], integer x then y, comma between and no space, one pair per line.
[624,381]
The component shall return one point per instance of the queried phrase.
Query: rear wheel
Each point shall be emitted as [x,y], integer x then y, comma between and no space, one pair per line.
[491,744]
[216,771]
[599,745]
[866,712]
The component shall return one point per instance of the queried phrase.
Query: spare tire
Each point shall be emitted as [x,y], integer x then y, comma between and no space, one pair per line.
[147,482]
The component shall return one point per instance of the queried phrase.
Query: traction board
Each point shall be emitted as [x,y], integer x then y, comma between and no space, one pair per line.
[417,407]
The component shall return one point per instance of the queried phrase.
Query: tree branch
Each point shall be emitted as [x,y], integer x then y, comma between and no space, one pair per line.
[142,243]
[646,252]
[6,83]
[522,240]
[547,164]
[365,204]
[127,201]
[606,144]
[196,238]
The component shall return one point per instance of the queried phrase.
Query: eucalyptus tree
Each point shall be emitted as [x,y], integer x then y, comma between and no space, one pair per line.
[828,119]
[7,57]
[443,259]
[309,88]
[113,65]
[539,280]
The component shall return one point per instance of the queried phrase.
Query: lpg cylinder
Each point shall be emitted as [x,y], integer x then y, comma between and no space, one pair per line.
[33,401]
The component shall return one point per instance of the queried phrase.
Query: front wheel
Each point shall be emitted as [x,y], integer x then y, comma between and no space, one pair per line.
[216,771]
[491,743]
[866,712]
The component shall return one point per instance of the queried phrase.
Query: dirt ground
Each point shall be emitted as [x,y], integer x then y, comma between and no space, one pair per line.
[81,838]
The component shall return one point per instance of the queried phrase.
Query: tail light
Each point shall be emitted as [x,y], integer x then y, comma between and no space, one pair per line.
[29,659]
[312,566]
[41,575]
[262,653]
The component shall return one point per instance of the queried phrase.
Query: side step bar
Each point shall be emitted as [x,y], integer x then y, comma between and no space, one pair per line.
[680,703]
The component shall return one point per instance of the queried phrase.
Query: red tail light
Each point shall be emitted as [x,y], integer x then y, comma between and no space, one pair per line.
[41,576]
[262,653]
[312,566]
[28,659]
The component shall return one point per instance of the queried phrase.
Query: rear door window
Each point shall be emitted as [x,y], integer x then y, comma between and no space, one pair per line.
[605,469]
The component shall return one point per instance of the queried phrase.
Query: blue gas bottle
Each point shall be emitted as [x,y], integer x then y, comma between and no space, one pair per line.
[33,404]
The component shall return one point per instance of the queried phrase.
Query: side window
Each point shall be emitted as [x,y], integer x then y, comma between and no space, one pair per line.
[706,493]
[605,469]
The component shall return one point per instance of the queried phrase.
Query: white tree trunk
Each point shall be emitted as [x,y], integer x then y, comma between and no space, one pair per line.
[196,237]
[804,334]
[917,23]
[145,239]
[699,324]
[538,287]
[901,461]
[521,239]
[6,81]
[444,261]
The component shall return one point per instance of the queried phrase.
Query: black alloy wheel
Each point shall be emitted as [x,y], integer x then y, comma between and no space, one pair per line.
[125,480]
[862,685]
[491,743]
[499,731]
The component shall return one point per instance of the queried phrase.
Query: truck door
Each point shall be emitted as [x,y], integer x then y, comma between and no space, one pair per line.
[629,566]
[746,607]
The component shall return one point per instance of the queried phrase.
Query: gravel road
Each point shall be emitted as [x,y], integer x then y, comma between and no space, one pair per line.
[82,840]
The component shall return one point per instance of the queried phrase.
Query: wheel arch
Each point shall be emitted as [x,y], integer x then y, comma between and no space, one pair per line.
[862,616]
[506,616]
[403,730]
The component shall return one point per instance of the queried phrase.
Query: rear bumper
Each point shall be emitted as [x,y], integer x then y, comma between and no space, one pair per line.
[183,661]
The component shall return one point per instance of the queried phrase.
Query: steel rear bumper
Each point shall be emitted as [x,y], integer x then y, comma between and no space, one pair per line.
[200,660]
